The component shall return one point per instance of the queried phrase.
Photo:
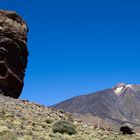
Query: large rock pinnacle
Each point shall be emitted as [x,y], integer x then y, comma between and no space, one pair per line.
[13,53]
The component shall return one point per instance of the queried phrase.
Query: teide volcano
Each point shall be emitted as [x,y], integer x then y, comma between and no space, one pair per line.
[119,104]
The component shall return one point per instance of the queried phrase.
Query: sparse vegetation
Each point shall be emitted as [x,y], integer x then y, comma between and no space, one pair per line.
[27,121]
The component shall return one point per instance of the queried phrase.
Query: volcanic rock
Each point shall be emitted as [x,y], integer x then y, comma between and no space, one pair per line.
[13,53]
[127,129]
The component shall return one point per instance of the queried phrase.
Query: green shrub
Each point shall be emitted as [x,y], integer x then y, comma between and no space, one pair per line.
[64,127]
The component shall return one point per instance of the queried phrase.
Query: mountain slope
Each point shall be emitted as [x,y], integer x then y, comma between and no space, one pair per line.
[22,120]
[119,104]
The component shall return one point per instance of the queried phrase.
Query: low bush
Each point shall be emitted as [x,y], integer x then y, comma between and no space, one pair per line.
[64,127]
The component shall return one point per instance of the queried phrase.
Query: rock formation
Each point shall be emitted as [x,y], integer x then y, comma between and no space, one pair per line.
[127,129]
[13,53]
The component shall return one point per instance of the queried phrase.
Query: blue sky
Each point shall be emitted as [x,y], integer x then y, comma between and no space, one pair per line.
[78,46]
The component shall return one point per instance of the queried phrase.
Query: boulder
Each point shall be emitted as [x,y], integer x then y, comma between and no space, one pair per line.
[13,53]
[127,129]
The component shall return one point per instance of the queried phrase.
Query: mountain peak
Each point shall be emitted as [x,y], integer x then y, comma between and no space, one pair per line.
[119,88]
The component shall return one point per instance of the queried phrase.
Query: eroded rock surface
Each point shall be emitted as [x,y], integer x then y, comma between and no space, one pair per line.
[13,53]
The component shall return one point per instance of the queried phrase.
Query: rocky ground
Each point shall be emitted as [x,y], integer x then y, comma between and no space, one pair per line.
[22,120]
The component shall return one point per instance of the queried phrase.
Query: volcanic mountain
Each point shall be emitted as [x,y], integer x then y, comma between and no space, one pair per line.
[119,104]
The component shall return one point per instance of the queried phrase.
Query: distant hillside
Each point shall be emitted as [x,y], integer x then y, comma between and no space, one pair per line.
[119,104]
